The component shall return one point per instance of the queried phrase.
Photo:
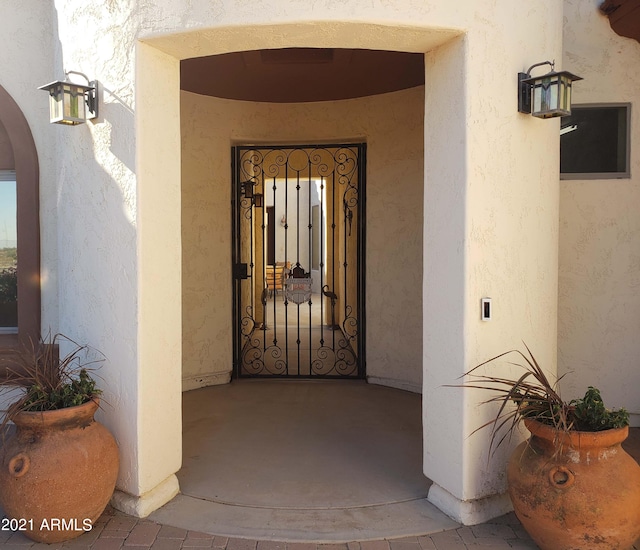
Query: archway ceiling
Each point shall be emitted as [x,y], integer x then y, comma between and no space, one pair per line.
[293,75]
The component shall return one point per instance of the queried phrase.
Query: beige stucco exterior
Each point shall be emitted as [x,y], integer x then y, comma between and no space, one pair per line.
[599,277]
[136,219]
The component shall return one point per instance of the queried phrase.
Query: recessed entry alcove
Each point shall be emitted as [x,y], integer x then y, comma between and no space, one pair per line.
[312,103]
[313,95]
[305,100]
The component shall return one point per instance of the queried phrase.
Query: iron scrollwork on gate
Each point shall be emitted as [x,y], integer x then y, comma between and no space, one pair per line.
[299,230]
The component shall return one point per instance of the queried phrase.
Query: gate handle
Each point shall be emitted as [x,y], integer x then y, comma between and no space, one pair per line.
[19,465]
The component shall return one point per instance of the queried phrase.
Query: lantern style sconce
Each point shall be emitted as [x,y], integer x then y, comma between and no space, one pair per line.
[545,96]
[247,191]
[71,103]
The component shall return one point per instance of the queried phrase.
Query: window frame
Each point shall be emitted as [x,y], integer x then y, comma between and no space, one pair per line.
[10,176]
[27,173]
[626,174]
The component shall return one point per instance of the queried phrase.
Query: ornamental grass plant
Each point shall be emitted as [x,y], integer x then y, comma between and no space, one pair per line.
[46,381]
[531,395]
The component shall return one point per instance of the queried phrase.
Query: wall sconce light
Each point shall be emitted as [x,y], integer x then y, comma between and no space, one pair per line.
[71,103]
[247,191]
[545,96]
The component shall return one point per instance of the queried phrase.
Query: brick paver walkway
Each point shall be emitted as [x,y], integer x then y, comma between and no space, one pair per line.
[115,531]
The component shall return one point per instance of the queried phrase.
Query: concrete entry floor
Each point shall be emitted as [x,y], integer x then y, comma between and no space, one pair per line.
[303,461]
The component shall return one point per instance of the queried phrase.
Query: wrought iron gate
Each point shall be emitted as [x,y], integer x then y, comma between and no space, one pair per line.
[298,260]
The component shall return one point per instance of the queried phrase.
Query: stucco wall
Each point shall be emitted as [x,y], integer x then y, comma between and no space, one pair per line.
[599,273]
[491,229]
[28,53]
[96,210]
[111,214]
[87,197]
[392,126]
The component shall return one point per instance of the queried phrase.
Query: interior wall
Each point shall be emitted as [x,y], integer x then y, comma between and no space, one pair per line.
[392,126]
[599,264]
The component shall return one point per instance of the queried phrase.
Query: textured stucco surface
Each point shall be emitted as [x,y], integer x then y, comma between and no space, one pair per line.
[111,191]
[491,229]
[599,273]
[96,212]
[391,124]
[27,56]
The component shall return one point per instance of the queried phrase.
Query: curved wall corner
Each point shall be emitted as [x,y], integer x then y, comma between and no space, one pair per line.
[25,163]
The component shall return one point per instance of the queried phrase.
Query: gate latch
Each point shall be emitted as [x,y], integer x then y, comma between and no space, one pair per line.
[240,271]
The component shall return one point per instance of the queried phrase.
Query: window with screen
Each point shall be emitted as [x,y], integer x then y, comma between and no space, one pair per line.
[594,142]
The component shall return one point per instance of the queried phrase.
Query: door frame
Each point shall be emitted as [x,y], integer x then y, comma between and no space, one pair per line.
[242,271]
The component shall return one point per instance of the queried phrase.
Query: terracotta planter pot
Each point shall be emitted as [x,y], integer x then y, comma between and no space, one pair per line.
[57,472]
[585,495]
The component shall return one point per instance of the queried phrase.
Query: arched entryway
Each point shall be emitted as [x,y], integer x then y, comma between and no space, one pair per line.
[218,123]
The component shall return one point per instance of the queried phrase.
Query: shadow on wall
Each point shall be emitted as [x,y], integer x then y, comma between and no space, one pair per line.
[89,243]
[121,117]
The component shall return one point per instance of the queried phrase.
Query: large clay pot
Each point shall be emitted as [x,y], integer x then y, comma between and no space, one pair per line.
[57,472]
[576,490]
